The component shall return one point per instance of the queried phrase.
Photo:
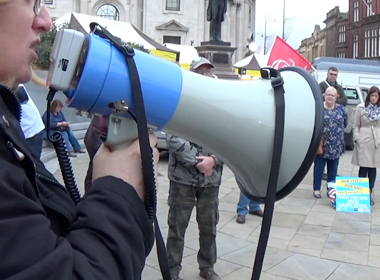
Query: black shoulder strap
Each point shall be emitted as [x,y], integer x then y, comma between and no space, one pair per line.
[146,151]
[277,84]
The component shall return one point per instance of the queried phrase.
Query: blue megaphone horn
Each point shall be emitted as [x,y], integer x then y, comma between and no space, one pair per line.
[233,119]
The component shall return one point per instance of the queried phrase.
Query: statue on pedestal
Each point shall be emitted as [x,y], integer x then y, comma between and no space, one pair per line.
[215,15]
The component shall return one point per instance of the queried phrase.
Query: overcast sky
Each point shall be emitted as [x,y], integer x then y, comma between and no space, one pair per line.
[306,13]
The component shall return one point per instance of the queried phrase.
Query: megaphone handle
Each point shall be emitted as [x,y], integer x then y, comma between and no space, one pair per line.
[119,132]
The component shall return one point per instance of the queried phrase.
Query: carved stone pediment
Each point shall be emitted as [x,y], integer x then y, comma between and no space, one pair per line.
[172,26]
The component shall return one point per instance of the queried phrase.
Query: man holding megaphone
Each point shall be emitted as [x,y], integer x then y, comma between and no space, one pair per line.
[195,177]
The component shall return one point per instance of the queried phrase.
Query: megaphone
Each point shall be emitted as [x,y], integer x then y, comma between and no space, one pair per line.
[233,119]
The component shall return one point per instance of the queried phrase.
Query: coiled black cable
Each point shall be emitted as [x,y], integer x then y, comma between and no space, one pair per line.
[60,149]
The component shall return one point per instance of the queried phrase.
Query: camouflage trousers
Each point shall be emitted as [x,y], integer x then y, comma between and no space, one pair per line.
[182,200]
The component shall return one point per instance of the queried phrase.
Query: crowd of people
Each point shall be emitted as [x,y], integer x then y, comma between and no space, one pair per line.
[366,133]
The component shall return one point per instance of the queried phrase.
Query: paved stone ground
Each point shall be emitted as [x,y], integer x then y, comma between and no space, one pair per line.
[308,240]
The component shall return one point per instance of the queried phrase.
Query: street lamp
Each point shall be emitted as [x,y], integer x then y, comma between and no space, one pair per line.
[265,33]
[283,22]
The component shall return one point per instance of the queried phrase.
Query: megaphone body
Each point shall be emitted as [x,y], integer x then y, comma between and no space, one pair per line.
[233,119]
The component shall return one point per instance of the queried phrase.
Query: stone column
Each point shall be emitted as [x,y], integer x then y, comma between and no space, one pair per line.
[83,7]
[239,31]
[206,29]
[127,9]
[233,24]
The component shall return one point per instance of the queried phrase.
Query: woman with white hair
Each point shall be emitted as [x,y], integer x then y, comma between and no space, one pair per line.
[335,120]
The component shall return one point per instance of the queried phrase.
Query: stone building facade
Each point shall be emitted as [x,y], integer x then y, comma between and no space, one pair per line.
[329,41]
[314,46]
[354,34]
[364,29]
[171,21]
[335,30]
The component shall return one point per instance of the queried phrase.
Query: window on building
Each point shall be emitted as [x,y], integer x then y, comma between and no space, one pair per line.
[369,8]
[48,2]
[367,42]
[378,42]
[342,34]
[341,54]
[356,10]
[355,46]
[374,43]
[173,5]
[172,39]
[109,12]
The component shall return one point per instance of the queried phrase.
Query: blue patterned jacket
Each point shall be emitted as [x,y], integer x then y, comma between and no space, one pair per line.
[335,121]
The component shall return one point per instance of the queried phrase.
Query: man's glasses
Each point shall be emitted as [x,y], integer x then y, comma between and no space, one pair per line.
[208,72]
[37,6]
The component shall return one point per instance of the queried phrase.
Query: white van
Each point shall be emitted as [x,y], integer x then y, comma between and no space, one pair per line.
[354,72]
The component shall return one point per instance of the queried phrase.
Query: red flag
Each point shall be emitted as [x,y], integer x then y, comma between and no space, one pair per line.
[283,55]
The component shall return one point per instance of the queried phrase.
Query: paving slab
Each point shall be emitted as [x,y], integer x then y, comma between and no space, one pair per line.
[351,271]
[304,267]
[308,240]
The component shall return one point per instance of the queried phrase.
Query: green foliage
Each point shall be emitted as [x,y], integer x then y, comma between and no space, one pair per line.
[44,48]
[137,47]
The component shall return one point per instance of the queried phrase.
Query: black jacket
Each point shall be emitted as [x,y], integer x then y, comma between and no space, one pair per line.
[43,235]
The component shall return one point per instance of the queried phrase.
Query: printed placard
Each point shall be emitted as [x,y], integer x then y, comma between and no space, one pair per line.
[353,195]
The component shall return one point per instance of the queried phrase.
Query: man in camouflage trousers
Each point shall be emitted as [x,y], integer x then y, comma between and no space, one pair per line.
[195,177]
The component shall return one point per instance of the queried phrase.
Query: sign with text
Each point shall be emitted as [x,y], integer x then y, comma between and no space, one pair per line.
[352,195]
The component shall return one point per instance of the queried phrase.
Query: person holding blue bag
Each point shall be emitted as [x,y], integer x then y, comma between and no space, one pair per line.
[335,120]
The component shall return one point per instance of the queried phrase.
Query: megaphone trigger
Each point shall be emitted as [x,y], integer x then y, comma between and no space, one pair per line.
[118,132]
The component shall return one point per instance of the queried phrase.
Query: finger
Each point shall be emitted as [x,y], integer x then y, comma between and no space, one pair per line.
[156,155]
[153,140]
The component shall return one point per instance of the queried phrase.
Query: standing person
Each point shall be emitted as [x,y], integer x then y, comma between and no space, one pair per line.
[44,235]
[242,207]
[335,120]
[332,76]
[195,176]
[59,123]
[331,80]
[32,125]
[366,129]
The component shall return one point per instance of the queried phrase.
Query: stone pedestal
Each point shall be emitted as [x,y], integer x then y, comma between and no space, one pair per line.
[220,55]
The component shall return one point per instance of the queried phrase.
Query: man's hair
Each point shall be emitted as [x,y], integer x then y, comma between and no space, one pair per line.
[367,99]
[56,103]
[332,68]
